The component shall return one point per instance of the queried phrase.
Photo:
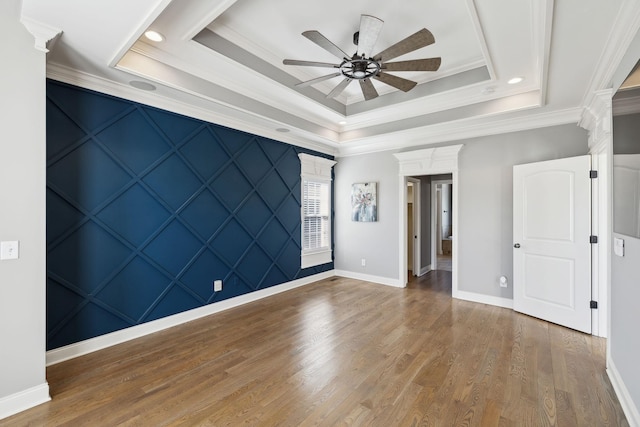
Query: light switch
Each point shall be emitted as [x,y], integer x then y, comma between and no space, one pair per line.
[618,246]
[9,250]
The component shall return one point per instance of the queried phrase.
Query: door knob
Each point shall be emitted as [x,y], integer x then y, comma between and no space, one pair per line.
[517,245]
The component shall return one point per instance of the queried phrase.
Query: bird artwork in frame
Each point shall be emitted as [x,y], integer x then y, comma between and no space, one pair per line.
[364,202]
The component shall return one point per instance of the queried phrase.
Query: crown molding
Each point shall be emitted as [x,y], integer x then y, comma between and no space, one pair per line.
[45,35]
[624,30]
[463,129]
[597,119]
[212,112]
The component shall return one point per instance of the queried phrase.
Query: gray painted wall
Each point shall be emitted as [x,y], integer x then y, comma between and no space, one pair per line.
[486,200]
[625,278]
[626,134]
[22,213]
[377,242]
[625,316]
[485,210]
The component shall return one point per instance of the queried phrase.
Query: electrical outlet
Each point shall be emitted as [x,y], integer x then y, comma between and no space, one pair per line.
[504,282]
[217,285]
[363,262]
[10,250]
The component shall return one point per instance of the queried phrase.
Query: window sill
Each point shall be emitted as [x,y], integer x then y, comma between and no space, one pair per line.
[312,259]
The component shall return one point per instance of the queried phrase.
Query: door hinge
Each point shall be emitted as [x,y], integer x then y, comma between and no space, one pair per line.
[593,239]
[593,304]
[593,174]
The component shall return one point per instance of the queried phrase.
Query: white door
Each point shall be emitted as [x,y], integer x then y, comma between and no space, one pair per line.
[552,252]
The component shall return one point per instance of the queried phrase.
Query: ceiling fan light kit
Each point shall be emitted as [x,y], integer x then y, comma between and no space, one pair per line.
[363,66]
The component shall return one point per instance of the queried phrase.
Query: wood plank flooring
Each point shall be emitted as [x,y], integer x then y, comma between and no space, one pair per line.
[342,352]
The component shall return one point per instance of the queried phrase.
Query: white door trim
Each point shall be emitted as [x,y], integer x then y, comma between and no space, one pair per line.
[597,120]
[417,257]
[436,243]
[430,161]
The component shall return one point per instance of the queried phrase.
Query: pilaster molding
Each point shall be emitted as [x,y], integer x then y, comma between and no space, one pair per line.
[45,35]
[444,159]
[597,118]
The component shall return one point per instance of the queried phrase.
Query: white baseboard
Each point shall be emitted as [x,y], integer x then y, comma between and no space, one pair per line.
[628,406]
[425,270]
[24,400]
[98,343]
[369,278]
[484,299]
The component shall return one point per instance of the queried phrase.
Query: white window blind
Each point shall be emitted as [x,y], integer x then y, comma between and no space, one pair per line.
[315,210]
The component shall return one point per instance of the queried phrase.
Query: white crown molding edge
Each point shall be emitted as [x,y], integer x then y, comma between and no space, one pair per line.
[543,25]
[23,400]
[45,35]
[145,23]
[98,343]
[622,392]
[473,13]
[370,278]
[463,129]
[246,123]
[168,58]
[624,29]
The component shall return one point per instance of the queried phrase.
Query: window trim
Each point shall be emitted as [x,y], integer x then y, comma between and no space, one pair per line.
[315,169]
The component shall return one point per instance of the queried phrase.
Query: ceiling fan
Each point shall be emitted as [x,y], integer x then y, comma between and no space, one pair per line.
[363,66]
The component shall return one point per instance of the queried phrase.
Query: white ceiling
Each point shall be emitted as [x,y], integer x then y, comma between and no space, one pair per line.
[221,60]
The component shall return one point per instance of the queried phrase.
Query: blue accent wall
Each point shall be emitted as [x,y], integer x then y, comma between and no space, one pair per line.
[145,208]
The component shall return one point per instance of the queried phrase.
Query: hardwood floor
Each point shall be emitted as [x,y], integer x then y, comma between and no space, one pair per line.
[444,262]
[342,352]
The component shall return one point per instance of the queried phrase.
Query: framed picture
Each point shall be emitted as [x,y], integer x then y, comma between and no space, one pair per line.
[364,202]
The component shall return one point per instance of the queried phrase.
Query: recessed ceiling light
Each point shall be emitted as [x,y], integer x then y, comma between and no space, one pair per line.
[283,130]
[515,80]
[142,85]
[154,36]
[342,122]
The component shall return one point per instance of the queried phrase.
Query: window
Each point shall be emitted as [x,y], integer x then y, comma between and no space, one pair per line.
[316,210]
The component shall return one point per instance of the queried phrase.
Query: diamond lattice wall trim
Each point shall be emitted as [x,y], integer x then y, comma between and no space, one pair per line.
[145,208]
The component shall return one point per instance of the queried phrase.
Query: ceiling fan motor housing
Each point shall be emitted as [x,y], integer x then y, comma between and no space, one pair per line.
[360,68]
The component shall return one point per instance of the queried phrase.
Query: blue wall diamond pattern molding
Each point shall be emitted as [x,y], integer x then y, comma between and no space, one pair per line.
[145,208]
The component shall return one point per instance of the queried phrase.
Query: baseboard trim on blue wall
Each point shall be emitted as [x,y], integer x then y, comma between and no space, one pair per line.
[369,278]
[483,299]
[628,406]
[98,343]
[23,400]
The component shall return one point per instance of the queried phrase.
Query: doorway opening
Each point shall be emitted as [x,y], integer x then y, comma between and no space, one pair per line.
[442,223]
[429,161]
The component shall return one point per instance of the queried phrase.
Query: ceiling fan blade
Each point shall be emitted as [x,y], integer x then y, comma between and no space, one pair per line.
[395,81]
[370,28]
[338,89]
[309,63]
[318,79]
[324,43]
[430,64]
[414,42]
[368,90]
